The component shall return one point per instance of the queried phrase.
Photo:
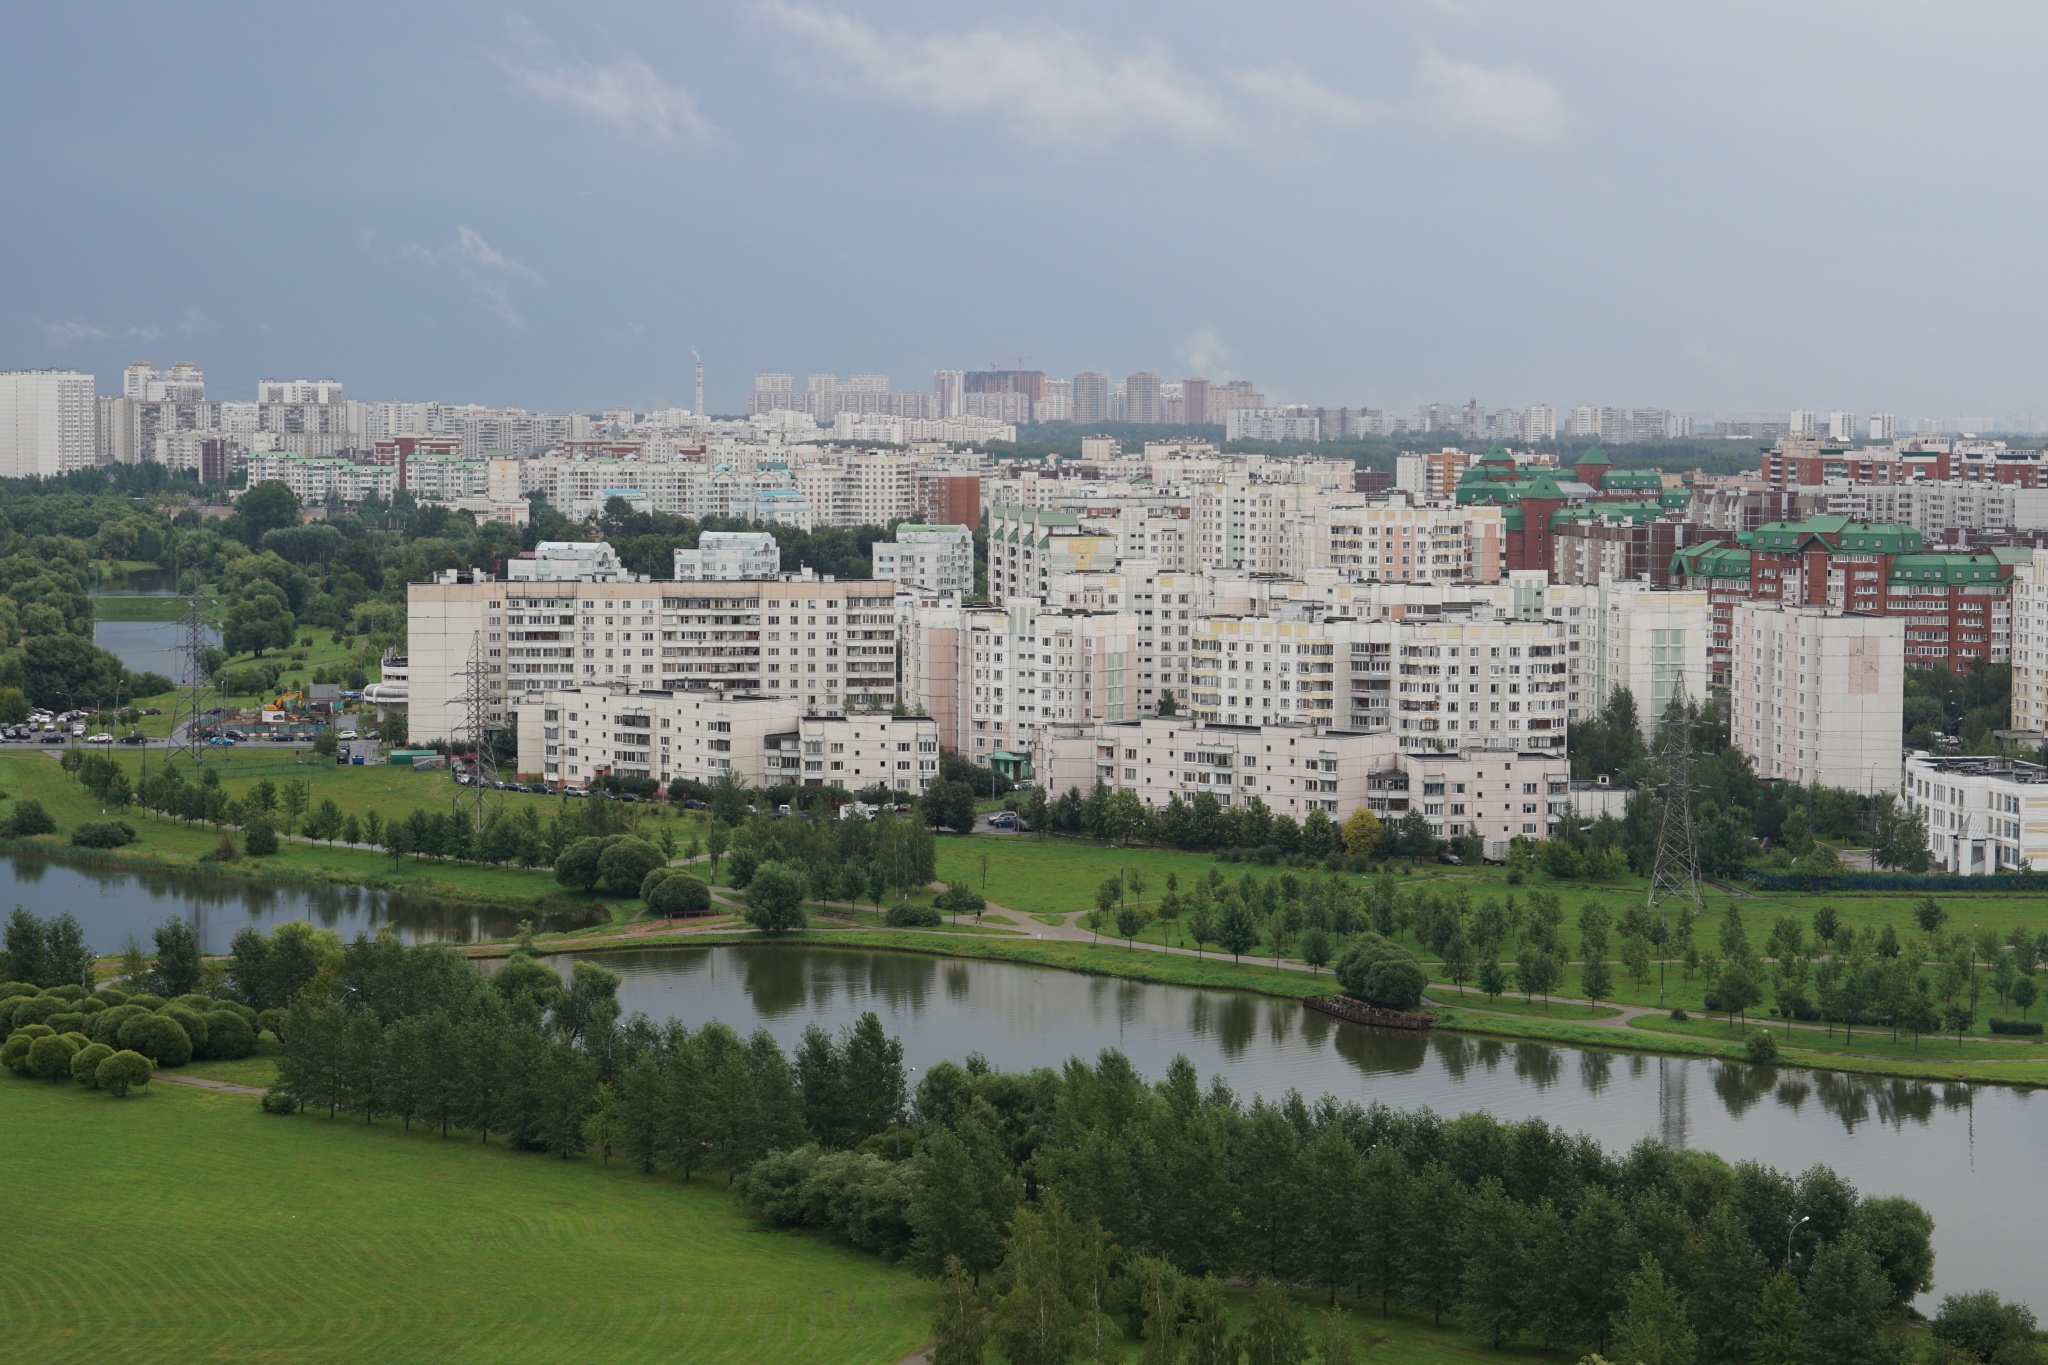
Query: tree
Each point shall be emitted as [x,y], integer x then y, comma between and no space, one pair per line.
[960,1330]
[964,1196]
[1129,921]
[949,804]
[601,1128]
[775,899]
[1846,1298]
[265,507]
[625,863]
[1596,980]
[1272,1337]
[122,1072]
[577,864]
[177,957]
[1983,1326]
[1362,831]
[1653,1329]
[259,839]
[1315,948]
[1900,1237]
[1032,1324]
[1382,973]
[679,894]
[1238,931]
[256,623]
[1728,1280]
[1780,1323]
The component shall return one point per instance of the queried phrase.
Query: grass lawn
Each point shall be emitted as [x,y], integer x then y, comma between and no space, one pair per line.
[314,1240]
[142,608]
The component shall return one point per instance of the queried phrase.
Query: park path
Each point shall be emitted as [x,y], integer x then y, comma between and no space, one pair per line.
[207,1083]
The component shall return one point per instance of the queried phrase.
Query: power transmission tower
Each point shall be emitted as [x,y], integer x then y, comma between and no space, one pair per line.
[1675,877]
[475,730]
[188,717]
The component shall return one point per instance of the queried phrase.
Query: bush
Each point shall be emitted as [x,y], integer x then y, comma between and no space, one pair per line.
[158,1037]
[1679,1016]
[92,1005]
[1762,1046]
[70,991]
[14,1053]
[10,989]
[229,1037]
[576,864]
[908,916]
[259,840]
[274,1021]
[85,1063]
[103,834]
[106,1025]
[49,1059]
[1981,1325]
[1381,973]
[111,996]
[123,1072]
[625,863]
[679,894]
[69,1021]
[28,818]
[35,1009]
[147,1001]
[739,867]
[192,1022]
[652,880]
[194,1001]
[2025,1026]
[278,1102]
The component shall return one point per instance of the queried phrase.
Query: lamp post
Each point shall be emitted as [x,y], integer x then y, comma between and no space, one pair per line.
[1790,1235]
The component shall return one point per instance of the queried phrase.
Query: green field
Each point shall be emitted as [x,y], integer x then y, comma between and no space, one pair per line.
[139,608]
[182,1225]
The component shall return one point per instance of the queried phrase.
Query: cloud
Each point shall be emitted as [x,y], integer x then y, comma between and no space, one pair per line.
[474,248]
[82,333]
[1051,86]
[1500,101]
[1205,354]
[627,94]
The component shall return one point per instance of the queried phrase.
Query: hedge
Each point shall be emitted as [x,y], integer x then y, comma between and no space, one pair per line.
[1901,881]
[2025,1026]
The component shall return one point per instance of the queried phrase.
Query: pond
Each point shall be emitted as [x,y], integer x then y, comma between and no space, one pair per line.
[114,905]
[1964,1152]
[148,646]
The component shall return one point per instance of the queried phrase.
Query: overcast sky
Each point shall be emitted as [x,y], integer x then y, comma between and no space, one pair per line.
[1701,204]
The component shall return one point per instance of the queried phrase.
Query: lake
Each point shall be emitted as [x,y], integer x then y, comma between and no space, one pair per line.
[148,646]
[1962,1151]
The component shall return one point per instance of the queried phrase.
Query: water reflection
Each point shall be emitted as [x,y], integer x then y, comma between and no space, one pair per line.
[116,904]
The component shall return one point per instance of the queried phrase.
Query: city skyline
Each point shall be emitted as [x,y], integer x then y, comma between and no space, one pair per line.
[1388,209]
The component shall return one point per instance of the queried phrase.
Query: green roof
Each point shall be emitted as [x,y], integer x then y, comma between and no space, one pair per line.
[1953,568]
[1885,538]
[1607,511]
[1622,479]
[1711,561]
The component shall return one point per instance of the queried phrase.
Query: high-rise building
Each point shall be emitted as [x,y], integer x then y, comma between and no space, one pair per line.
[1539,423]
[1195,401]
[1141,397]
[49,423]
[1841,426]
[1883,427]
[1815,695]
[182,383]
[1647,424]
[1091,397]
[1058,403]
[1804,422]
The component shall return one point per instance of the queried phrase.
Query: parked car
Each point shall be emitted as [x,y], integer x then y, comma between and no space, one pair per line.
[101,738]
[223,741]
[693,804]
[135,737]
[152,710]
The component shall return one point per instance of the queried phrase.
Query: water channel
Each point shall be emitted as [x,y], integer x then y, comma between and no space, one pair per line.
[1964,1152]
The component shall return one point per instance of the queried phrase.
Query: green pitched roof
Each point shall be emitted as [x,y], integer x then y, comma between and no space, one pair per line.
[1885,538]
[1955,569]
[1711,561]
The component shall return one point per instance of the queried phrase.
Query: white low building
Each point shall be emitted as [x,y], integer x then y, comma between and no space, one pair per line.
[1984,814]
[729,556]
[1816,694]
[932,559]
[577,736]
[568,561]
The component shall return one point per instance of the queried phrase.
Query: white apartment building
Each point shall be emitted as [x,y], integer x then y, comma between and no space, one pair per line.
[564,561]
[315,481]
[1027,546]
[931,559]
[1271,424]
[829,645]
[1984,814]
[184,382]
[1815,695]
[1539,423]
[1937,508]
[2030,645]
[575,736]
[1293,770]
[1884,426]
[729,555]
[1652,642]
[1842,426]
[49,423]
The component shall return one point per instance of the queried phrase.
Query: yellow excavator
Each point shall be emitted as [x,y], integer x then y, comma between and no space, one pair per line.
[290,701]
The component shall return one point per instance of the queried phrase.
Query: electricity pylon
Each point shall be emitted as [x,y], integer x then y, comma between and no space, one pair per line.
[1675,876]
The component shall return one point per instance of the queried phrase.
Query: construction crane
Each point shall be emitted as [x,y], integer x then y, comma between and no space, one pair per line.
[1022,361]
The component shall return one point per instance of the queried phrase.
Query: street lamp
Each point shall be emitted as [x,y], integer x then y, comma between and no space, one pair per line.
[1790,1235]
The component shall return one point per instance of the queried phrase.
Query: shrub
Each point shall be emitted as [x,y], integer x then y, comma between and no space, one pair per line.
[273,1020]
[652,880]
[14,1053]
[158,1037]
[259,840]
[1381,973]
[278,1102]
[85,1063]
[2016,1026]
[1762,1046]
[27,818]
[147,1001]
[70,991]
[92,1005]
[124,1071]
[229,1037]
[680,894]
[1679,1016]
[192,1022]
[112,996]
[1981,1326]
[106,1025]
[103,834]
[194,1001]
[69,1021]
[33,1031]
[625,863]
[49,1059]
[576,864]
[739,867]
[908,916]
[35,1009]
[10,989]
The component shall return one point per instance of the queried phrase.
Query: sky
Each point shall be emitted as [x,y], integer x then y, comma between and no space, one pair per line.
[1705,205]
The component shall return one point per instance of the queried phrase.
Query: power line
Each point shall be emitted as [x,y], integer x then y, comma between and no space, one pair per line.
[476,701]
[188,716]
[1675,877]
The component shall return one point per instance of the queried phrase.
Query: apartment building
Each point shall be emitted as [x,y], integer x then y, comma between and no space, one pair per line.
[2030,644]
[1985,815]
[831,646]
[576,736]
[931,559]
[1026,546]
[1815,695]
[49,423]
[1651,642]
[728,556]
[1294,770]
